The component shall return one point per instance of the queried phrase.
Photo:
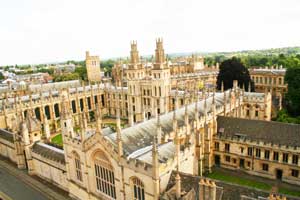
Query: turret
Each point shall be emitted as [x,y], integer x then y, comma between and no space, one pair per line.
[159,55]
[134,55]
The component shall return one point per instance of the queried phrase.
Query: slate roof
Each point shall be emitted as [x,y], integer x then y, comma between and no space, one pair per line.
[258,130]
[49,152]
[4,134]
[166,152]
[141,135]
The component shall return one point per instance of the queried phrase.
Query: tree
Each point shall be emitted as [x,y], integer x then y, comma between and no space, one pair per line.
[233,69]
[82,73]
[292,77]
[1,76]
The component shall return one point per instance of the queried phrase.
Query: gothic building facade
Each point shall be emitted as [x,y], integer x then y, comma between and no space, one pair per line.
[172,135]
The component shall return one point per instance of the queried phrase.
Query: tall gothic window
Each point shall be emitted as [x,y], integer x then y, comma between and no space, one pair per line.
[138,189]
[77,167]
[105,178]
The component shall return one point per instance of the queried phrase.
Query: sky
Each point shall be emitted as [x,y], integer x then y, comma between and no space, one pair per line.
[43,31]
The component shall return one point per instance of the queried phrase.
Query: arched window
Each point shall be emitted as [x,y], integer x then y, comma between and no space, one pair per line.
[77,167]
[138,189]
[105,178]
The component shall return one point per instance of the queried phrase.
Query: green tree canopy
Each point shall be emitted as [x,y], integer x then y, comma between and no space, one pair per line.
[81,72]
[292,77]
[233,69]
[1,76]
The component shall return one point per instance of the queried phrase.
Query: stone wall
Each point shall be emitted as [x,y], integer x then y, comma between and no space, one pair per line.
[48,167]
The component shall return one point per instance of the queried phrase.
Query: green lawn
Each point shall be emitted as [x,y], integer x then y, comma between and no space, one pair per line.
[57,140]
[114,125]
[250,183]
[289,192]
[238,180]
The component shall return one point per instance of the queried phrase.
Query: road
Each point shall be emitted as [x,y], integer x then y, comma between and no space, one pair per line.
[16,184]
[16,189]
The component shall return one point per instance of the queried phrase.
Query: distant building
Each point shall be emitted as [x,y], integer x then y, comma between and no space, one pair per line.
[93,67]
[270,79]
[64,69]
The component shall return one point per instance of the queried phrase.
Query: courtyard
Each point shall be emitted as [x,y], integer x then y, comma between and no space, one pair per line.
[56,139]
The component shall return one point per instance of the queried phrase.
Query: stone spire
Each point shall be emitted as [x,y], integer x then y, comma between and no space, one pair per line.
[119,136]
[46,128]
[155,168]
[224,104]
[175,108]
[222,86]
[98,119]
[65,107]
[159,131]
[25,133]
[84,126]
[178,185]
[66,116]
[205,108]
[186,116]
[196,109]
[249,86]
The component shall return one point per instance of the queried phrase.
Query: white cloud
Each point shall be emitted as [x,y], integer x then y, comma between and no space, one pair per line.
[35,31]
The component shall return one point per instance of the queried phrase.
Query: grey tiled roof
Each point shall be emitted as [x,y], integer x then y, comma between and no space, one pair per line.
[49,152]
[141,135]
[258,130]
[6,135]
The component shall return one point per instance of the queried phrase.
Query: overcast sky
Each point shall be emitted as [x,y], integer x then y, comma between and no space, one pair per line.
[39,31]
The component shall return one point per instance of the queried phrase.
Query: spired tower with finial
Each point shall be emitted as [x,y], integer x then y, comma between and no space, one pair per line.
[93,67]
[161,79]
[135,74]
[134,56]
[160,59]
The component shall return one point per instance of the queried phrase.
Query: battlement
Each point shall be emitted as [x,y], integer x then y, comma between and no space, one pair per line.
[159,41]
